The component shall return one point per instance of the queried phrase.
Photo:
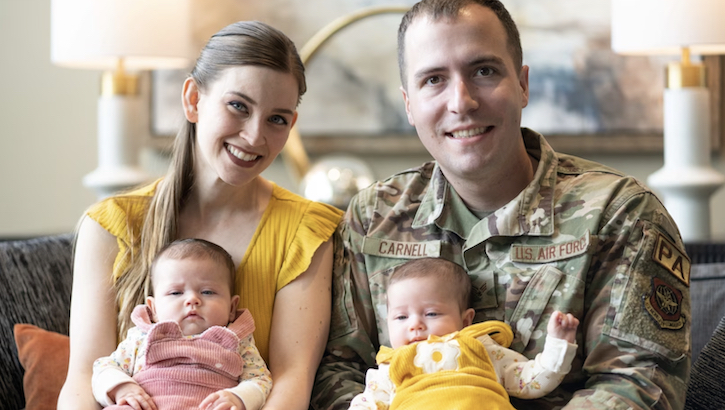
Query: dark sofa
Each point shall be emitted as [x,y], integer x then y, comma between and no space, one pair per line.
[35,287]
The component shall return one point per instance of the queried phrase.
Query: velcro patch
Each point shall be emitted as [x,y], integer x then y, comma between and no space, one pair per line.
[664,304]
[396,249]
[671,258]
[550,252]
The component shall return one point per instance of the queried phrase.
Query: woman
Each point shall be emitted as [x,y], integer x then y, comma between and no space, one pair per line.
[240,104]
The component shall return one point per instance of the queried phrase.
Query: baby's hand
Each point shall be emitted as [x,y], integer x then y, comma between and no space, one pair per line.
[563,326]
[133,395]
[222,400]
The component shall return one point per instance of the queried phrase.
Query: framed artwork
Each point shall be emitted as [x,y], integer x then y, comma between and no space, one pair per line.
[583,97]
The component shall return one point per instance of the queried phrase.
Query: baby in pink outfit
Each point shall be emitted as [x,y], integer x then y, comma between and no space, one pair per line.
[191,348]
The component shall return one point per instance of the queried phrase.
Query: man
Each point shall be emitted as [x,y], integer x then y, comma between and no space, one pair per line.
[536,230]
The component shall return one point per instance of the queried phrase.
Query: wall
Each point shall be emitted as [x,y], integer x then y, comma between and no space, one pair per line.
[47,117]
[47,139]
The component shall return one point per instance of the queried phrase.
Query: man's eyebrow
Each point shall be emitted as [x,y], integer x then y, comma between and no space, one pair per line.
[253,102]
[418,75]
[488,59]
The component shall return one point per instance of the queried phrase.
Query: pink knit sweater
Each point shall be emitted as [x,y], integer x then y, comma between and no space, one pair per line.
[181,371]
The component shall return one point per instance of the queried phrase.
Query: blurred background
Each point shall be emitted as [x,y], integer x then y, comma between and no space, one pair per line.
[48,114]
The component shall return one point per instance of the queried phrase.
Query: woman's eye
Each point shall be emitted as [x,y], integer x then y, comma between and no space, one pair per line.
[238,106]
[278,119]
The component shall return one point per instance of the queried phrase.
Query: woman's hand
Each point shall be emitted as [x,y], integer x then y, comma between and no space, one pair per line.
[92,313]
[300,324]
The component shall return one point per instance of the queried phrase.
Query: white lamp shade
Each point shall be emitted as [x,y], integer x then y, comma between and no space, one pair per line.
[665,26]
[147,34]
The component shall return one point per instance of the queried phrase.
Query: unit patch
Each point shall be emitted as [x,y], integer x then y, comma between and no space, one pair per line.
[550,252]
[671,258]
[396,249]
[664,305]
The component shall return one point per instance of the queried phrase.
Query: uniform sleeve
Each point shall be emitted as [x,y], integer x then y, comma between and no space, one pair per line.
[118,368]
[352,342]
[535,378]
[637,311]
[378,393]
[256,380]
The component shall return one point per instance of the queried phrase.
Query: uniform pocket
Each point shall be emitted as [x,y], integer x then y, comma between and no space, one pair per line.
[532,304]
[378,287]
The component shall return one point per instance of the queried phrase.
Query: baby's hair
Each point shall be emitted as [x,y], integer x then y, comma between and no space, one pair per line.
[443,270]
[197,249]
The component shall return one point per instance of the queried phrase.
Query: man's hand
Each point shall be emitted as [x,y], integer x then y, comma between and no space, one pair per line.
[222,400]
[133,395]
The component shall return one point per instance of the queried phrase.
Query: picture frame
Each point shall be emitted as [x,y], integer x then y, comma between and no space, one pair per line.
[354,104]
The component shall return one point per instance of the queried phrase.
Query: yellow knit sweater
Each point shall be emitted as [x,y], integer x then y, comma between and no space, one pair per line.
[448,372]
[289,233]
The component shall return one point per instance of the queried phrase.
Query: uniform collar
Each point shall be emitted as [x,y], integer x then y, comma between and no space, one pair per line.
[530,213]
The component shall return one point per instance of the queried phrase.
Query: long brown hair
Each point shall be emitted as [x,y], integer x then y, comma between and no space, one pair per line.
[239,44]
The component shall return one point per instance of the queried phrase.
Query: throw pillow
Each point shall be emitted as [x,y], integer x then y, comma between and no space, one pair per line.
[44,356]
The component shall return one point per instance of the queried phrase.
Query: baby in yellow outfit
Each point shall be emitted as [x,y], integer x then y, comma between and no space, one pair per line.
[440,360]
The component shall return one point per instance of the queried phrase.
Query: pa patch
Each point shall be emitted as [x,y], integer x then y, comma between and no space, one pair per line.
[671,258]
[664,304]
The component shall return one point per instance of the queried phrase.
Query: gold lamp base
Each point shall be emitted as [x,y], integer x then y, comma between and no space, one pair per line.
[685,73]
[119,82]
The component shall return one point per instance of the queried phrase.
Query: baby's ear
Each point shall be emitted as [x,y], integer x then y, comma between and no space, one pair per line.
[151,304]
[235,305]
[468,317]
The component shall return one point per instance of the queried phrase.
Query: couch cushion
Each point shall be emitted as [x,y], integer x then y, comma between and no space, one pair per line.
[35,287]
[44,355]
[706,389]
[707,292]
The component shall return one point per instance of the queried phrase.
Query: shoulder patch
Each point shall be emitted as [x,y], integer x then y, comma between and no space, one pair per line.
[664,304]
[670,257]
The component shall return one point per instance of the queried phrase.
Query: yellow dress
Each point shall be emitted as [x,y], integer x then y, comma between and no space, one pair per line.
[289,233]
[452,372]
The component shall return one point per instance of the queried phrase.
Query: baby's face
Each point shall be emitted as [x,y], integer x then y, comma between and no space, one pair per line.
[193,292]
[420,307]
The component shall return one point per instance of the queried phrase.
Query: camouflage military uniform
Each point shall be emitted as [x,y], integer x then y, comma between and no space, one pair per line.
[581,238]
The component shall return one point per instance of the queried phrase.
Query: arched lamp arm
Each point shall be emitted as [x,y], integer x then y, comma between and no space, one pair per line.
[294,153]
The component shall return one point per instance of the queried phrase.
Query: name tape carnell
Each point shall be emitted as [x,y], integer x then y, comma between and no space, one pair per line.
[406,250]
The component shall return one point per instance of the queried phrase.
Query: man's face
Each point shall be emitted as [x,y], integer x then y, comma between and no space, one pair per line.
[464,94]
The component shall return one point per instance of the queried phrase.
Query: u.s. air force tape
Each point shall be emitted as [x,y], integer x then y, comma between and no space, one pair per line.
[550,252]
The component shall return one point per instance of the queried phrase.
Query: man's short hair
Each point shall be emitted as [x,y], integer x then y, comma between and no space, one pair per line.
[195,248]
[439,9]
[441,269]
